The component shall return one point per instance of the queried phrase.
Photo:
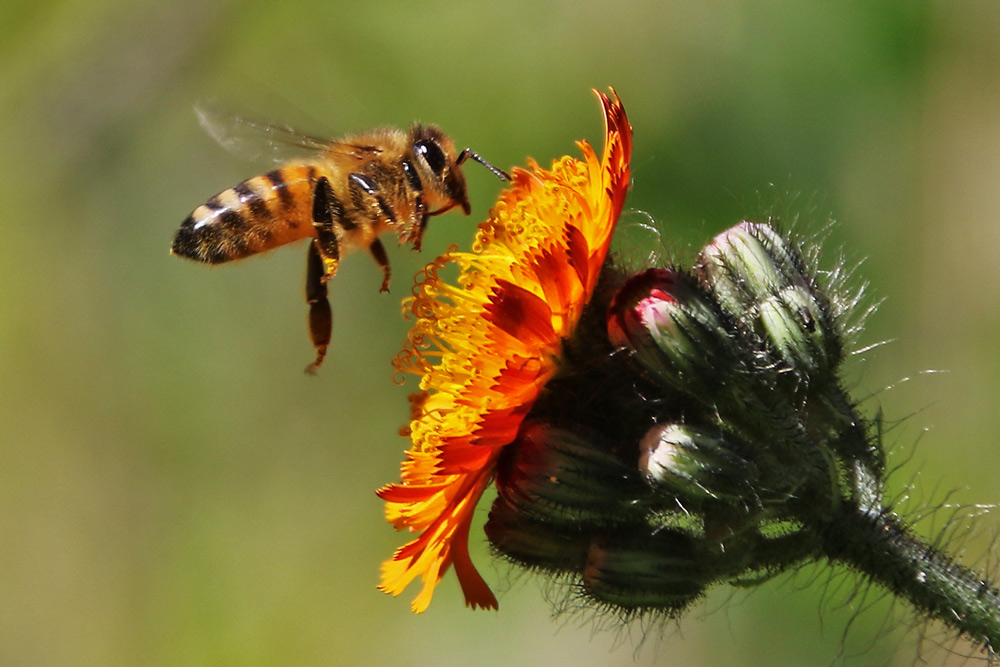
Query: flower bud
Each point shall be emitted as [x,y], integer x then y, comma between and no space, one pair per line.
[535,544]
[684,341]
[673,328]
[745,264]
[562,477]
[790,321]
[696,465]
[760,279]
[665,570]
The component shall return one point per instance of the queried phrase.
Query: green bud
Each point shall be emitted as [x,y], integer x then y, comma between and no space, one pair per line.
[562,477]
[535,544]
[791,320]
[663,571]
[683,340]
[674,329]
[760,278]
[743,265]
[696,465]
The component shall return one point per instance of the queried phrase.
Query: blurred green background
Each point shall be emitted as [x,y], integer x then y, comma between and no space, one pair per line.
[173,489]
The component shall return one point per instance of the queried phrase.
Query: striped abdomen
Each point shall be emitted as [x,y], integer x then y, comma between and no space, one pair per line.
[260,213]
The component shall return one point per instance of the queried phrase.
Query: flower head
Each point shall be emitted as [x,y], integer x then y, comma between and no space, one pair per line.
[486,346]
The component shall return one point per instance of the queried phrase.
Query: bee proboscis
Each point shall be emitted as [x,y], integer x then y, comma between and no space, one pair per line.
[345,196]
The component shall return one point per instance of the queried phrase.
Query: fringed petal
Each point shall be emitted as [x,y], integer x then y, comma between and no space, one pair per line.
[486,346]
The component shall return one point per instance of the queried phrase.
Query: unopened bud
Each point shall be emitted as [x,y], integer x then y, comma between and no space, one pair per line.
[563,477]
[661,571]
[760,279]
[696,465]
[746,264]
[683,340]
[535,544]
[792,322]
[673,328]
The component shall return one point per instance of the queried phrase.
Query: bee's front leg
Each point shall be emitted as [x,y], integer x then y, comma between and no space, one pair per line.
[382,259]
[363,189]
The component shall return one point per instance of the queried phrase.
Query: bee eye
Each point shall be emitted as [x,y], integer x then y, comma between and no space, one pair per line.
[431,153]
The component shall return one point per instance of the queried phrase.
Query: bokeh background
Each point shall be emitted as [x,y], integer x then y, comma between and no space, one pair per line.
[173,489]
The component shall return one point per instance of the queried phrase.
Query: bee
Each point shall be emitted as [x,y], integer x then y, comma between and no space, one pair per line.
[344,197]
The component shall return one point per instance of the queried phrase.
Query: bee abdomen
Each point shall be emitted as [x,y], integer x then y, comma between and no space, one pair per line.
[260,213]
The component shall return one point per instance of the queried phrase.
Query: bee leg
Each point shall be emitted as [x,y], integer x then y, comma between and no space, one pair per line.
[320,313]
[327,211]
[321,264]
[382,259]
[420,208]
[363,187]
[423,216]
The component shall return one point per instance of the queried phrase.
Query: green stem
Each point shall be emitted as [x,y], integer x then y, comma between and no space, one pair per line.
[880,547]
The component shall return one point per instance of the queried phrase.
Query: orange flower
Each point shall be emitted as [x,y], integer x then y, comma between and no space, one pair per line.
[486,347]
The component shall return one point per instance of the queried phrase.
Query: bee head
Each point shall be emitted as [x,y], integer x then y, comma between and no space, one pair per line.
[436,160]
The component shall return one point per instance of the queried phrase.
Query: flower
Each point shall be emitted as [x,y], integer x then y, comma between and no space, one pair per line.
[486,346]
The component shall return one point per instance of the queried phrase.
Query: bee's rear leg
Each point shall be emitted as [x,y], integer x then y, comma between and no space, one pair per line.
[320,313]
[327,212]
[321,264]
[382,259]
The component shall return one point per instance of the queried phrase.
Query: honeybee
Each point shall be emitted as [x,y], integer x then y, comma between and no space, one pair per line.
[343,197]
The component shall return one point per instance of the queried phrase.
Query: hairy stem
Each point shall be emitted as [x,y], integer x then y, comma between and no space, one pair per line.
[879,546]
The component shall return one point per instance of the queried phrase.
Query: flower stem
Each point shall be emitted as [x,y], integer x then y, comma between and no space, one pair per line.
[879,546]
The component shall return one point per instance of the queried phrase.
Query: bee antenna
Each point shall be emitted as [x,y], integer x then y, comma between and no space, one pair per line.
[499,173]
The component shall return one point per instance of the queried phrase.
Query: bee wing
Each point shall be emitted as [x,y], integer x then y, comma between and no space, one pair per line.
[256,140]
